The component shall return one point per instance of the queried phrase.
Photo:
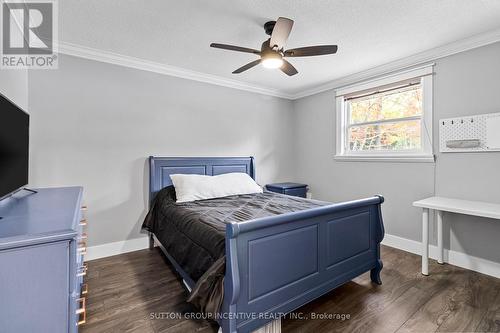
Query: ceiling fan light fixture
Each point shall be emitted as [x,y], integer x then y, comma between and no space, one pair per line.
[272,51]
[272,60]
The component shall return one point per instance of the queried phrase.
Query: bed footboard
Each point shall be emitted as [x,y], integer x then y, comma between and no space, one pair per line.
[276,264]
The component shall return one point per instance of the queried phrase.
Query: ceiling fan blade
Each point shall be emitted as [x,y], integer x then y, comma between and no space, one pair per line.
[288,69]
[281,31]
[247,66]
[309,51]
[234,48]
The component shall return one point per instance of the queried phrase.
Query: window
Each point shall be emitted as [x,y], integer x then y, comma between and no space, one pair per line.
[388,119]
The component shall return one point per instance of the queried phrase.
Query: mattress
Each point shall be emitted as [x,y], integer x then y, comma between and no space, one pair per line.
[193,233]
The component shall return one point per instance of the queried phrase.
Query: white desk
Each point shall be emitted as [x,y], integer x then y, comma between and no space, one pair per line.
[440,205]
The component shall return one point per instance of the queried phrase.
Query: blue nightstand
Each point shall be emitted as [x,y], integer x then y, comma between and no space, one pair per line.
[294,189]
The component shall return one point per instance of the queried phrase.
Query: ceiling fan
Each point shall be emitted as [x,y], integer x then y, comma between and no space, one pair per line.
[272,51]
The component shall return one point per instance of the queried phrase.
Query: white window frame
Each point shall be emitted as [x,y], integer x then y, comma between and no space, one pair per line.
[425,154]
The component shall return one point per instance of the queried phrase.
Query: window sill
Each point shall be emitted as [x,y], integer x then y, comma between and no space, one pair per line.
[372,158]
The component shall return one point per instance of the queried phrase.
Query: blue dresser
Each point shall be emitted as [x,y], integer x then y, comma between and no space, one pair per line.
[42,245]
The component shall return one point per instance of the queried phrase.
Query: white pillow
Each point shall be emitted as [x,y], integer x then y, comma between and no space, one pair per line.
[199,187]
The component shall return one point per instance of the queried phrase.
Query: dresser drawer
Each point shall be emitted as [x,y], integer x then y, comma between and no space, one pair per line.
[79,270]
[80,304]
[35,298]
[82,234]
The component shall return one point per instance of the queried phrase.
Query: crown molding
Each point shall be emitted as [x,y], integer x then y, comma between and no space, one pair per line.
[418,59]
[151,66]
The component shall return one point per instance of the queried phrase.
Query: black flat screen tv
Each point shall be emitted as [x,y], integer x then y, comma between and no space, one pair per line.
[14,147]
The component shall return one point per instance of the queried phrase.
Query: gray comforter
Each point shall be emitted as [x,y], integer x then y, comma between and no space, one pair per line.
[193,233]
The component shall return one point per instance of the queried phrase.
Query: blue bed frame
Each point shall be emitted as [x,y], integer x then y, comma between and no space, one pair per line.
[276,264]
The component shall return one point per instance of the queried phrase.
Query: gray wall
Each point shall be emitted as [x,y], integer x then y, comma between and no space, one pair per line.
[464,84]
[94,124]
[14,85]
[468,84]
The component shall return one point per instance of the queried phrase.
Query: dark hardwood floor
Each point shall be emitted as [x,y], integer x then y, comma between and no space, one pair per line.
[126,292]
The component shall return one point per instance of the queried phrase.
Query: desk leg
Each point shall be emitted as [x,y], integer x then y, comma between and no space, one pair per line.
[425,241]
[440,236]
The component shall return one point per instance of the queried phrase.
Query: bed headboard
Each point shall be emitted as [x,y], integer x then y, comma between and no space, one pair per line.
[160,169]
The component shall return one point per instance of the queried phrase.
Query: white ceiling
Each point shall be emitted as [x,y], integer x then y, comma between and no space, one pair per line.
[178,33]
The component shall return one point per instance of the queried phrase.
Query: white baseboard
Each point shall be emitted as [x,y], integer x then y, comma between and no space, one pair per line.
[115,248]
[452,257]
